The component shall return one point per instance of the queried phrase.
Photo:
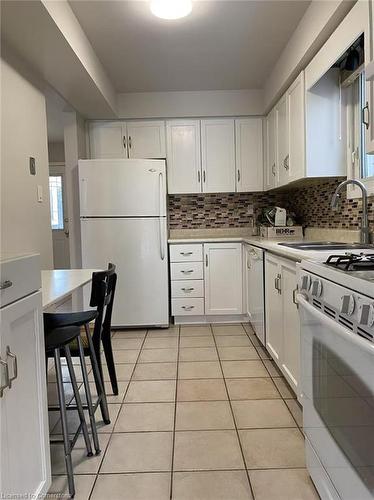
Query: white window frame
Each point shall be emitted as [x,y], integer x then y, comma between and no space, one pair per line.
[354,122]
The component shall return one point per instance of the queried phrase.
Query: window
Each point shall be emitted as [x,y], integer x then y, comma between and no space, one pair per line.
[360,164]
[57,207]
[366,161]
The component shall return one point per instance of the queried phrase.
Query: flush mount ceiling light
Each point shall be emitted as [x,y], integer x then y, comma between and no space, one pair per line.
[171,9]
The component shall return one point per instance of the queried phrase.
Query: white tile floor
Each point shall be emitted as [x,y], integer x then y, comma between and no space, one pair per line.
[202,414]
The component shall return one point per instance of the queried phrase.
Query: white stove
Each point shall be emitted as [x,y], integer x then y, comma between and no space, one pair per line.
[336,305]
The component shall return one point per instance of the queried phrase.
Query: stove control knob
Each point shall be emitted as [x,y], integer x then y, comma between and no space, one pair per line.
[305,282]
[317,288]
[367,314]
[371,315]
[348,305]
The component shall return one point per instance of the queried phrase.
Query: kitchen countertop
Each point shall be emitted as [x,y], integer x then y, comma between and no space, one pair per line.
[243,236]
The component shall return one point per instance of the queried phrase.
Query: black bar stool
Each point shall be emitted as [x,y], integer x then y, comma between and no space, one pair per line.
[102,297]
[58,340]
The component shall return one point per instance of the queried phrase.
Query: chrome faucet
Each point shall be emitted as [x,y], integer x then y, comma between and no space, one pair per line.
[365,236]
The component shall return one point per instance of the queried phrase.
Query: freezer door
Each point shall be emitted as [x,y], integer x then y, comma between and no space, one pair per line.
[138,248]
[122,188]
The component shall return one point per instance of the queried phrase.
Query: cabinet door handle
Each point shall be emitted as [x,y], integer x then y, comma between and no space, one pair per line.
[238,175]
[187,290]
[198,177]
[188,308]
[3,368]
[186,253]
[294,297]
[130,142]
[279,283]
[15,366]
[285,162]
[124,142]
[5,284]
[366,111]
[185,271]
[204,176]
[273,169]
[206,260]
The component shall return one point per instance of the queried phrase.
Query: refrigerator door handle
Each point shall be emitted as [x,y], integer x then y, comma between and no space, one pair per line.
[160,192]
[83,195]
[162,249]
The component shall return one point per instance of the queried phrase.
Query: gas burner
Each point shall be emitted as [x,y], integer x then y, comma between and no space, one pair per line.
[352,262]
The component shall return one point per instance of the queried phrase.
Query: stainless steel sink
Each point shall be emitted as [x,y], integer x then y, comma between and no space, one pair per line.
[325,245]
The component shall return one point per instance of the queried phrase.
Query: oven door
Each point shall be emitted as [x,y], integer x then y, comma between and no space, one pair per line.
[338,401]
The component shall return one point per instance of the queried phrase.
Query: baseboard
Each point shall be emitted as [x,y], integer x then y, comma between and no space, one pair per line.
[204,320]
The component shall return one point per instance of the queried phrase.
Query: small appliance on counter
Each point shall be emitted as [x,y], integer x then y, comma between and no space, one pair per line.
[281,232]
[276,223]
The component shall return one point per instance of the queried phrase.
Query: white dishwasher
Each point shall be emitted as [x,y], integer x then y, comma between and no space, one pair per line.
[254,262]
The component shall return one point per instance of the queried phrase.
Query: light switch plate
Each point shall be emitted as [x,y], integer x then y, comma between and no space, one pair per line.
[40,193]
[32,165]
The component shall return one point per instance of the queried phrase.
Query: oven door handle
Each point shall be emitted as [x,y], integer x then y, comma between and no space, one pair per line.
[337,328]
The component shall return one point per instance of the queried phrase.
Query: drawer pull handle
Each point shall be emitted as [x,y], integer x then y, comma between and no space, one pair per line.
[15,366]
[185,271]
[188,290]
[188,308]
[186,253]
[5,284]
[4,366]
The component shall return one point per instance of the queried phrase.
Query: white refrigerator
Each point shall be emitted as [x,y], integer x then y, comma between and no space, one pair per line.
[123,220]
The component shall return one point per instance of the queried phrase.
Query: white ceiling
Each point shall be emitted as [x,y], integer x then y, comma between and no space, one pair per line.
[222,45]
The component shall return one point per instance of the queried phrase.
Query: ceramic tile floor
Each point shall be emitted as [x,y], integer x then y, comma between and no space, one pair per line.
[202,414]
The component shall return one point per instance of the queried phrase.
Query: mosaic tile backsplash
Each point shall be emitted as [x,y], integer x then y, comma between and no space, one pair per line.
[311,204]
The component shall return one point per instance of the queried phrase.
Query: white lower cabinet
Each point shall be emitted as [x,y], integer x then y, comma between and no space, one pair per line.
[210,285]
[223,278]
[282,319]
[24,442]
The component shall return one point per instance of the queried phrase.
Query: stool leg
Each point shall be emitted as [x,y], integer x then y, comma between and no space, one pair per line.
[88,397]
[108,351]
[98,378]
[78,401]
[64,423]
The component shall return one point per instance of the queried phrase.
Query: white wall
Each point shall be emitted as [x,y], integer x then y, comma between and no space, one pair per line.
[317,24]
[25,223]
[187,104]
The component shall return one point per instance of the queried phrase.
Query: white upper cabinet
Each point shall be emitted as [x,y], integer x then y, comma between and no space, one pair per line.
[108,140]
[119,139]
[249,154]
[146,139]
[218,155]
[296,129]
[223,278]
[270,169]
[183,156]
[282,138]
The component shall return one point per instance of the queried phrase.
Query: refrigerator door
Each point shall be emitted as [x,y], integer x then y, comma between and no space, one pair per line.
[122,188]
[138,247]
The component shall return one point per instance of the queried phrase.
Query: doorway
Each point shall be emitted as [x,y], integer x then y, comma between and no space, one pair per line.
[59,216]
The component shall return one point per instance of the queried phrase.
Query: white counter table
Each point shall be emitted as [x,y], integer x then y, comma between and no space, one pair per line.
[58,285]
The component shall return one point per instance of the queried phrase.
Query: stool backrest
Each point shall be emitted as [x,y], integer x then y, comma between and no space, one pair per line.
[102,297]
